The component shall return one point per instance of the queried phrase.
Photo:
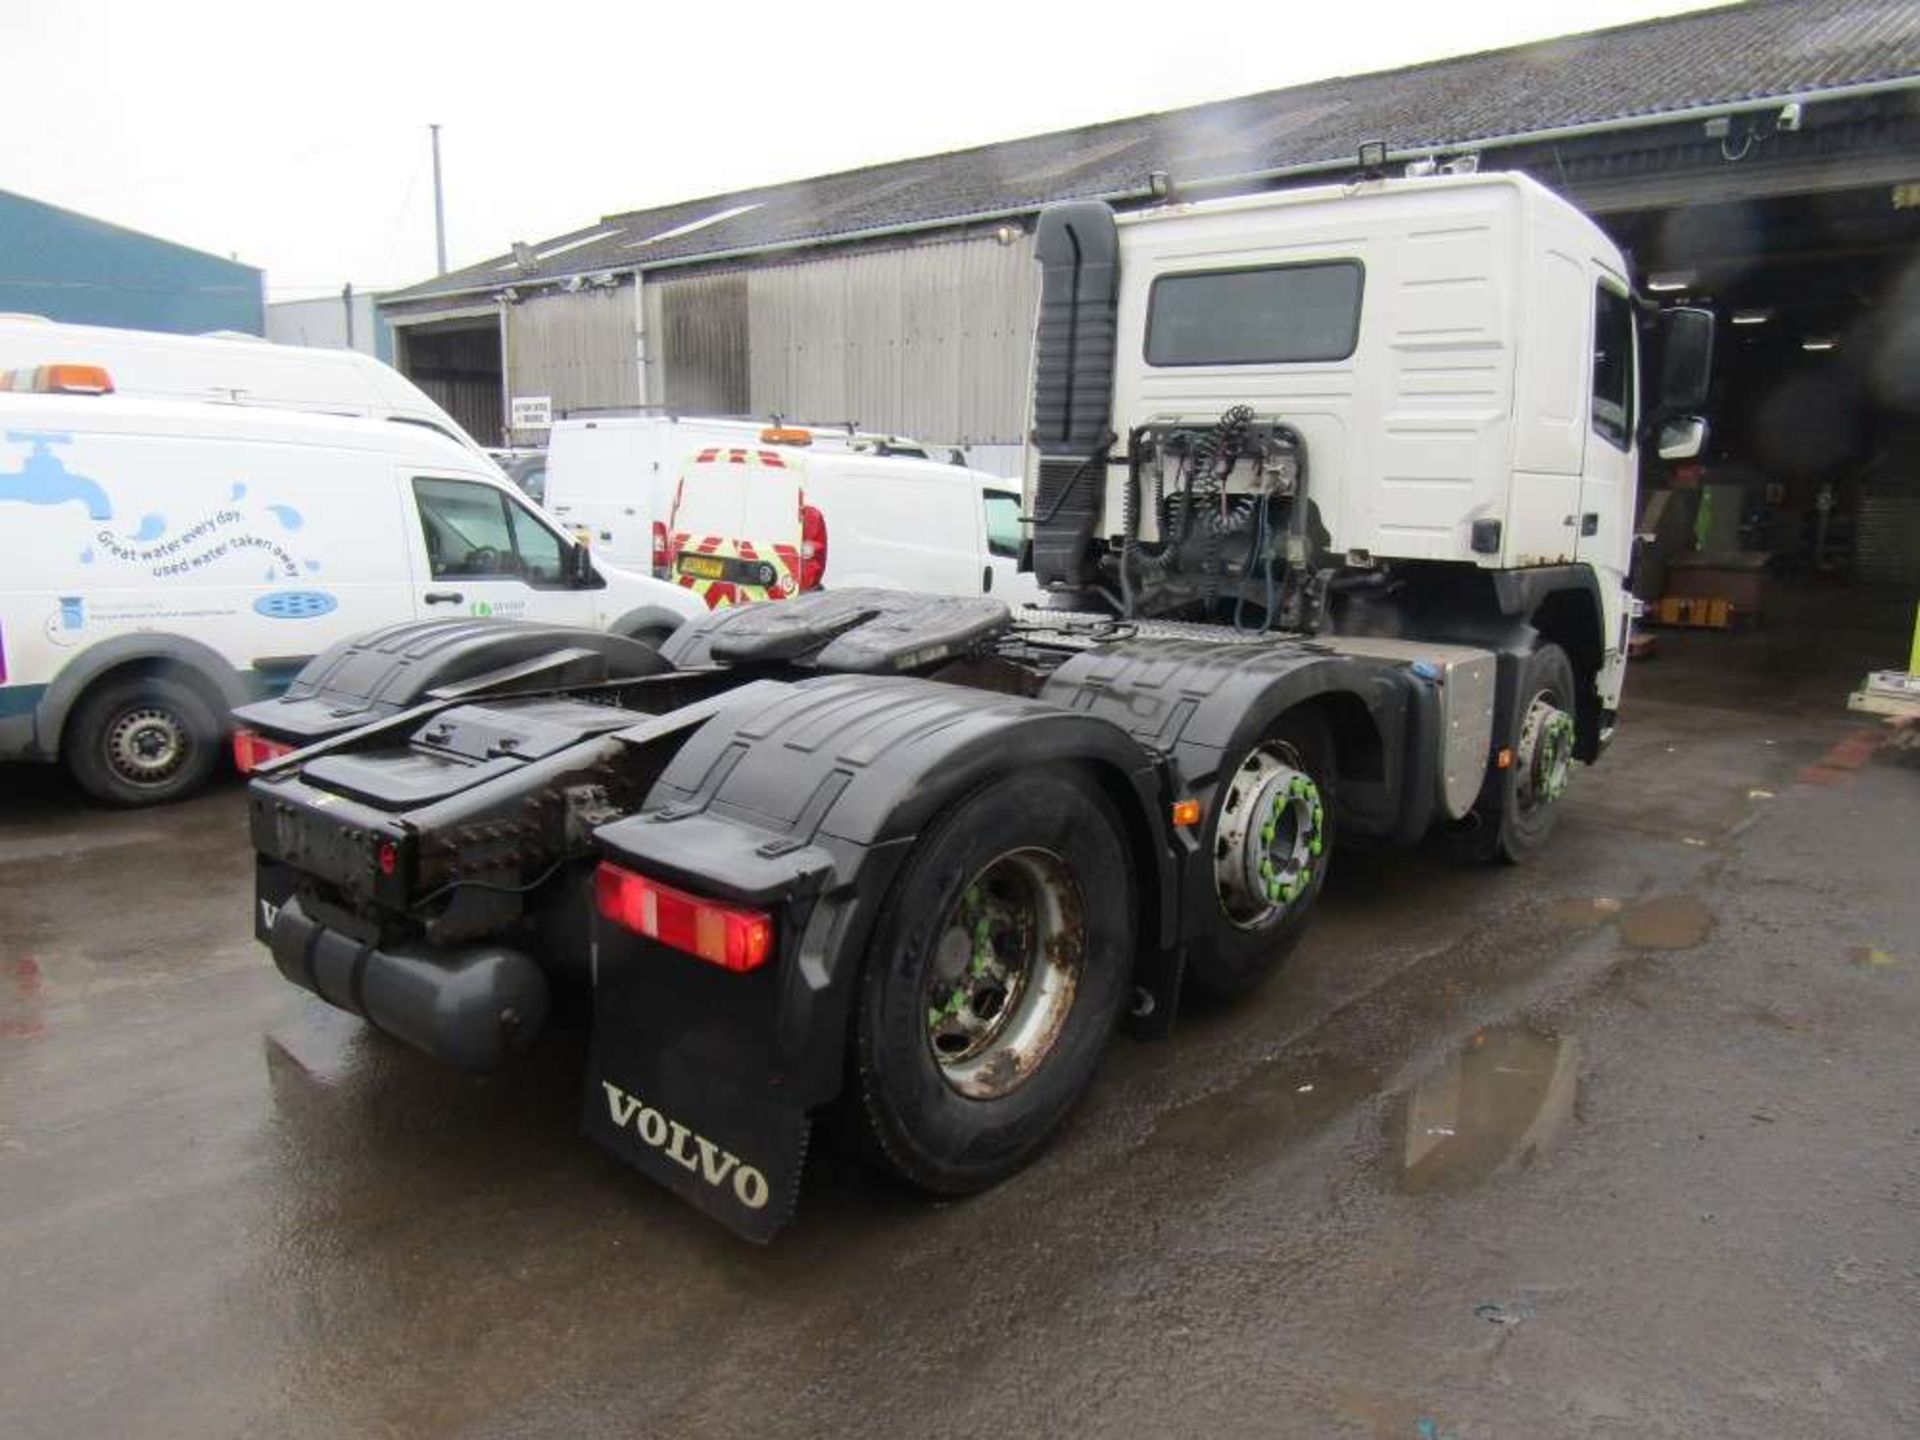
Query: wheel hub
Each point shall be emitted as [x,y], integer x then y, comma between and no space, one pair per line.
[1270,838]
[1005,968]
[146,745]
[1545,752]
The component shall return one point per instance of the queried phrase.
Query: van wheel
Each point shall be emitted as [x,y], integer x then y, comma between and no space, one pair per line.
[143,740]
[1520,803]
[997,972]
[1269,837]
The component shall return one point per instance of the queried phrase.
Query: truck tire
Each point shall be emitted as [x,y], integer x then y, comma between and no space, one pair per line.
[142,740]
[1269,836]
[997,972]
[1517,810]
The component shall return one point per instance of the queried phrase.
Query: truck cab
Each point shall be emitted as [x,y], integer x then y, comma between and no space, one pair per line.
[1436,385]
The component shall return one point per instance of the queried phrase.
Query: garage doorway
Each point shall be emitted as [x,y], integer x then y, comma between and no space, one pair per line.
[458,364]
[1812,471]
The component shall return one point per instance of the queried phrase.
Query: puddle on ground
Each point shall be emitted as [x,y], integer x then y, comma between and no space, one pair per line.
[1500,1101]
[1666,922]
[1584,914]
[1285,1098]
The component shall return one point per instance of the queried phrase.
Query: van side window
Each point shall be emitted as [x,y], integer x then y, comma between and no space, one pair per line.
[1613,367]
[475,530]
[1003,523]
[536,545]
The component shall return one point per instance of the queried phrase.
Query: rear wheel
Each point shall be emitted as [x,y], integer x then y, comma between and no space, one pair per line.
[142,740]
[1525,795]
[1270,835]
[996,974]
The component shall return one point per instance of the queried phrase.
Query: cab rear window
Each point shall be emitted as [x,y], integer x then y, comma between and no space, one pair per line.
[1261,315]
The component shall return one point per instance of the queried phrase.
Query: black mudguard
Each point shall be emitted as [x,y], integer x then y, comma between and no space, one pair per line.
[1201,702]
[801,800]
[376,675]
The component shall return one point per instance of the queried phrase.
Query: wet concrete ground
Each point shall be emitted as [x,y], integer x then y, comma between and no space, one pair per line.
[1626,1142]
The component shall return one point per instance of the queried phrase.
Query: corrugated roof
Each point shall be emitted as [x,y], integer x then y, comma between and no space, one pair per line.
[1712,57]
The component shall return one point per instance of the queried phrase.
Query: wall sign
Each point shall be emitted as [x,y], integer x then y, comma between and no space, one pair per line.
[531,412]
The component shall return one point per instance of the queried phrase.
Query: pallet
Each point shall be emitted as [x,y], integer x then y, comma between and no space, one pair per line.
[1888,693]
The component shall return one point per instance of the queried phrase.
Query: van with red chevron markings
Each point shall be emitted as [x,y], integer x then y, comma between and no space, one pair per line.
[772,520]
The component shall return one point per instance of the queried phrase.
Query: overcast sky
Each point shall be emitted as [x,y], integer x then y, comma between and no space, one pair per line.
[295,136]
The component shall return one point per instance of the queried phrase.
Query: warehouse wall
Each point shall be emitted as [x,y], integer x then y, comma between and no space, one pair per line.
[70,267]
[926,340]
[578,348]
[697,344]
[325,322]
[929,340]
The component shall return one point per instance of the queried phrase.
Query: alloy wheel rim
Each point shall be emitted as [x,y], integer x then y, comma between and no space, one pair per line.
[1545,752]
[1006,966]
[1271,837]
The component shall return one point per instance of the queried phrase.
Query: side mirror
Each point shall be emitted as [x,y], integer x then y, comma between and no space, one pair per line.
[1686,361]
[1683,438]
[579,565]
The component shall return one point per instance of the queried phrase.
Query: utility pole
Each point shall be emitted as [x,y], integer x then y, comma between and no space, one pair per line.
[439,207]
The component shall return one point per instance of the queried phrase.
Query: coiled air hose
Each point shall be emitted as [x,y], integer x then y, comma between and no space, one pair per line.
[1203,501]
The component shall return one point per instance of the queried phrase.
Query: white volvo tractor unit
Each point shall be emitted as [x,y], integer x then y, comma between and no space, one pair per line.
[1330,495]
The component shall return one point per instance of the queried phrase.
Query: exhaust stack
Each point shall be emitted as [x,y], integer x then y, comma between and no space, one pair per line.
[1074,344]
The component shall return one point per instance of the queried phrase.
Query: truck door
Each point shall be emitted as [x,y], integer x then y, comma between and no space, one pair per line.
[487,554]
[1604,521]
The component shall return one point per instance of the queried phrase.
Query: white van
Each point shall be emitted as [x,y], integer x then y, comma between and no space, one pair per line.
[163,561]
[611,477]
[764,522]
[239,370]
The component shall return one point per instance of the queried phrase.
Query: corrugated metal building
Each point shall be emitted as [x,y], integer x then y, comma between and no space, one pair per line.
[1763,154]
[66,266]
[347,321]
[925,336]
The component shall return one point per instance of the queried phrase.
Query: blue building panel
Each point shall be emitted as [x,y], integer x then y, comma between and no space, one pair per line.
[70,267]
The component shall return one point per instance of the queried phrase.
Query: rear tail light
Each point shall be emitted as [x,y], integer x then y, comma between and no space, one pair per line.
[730,936]
[813,547]
[251,750]
[662,558]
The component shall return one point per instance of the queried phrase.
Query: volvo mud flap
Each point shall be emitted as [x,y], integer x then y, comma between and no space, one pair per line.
[683,1083]
[701,1076]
